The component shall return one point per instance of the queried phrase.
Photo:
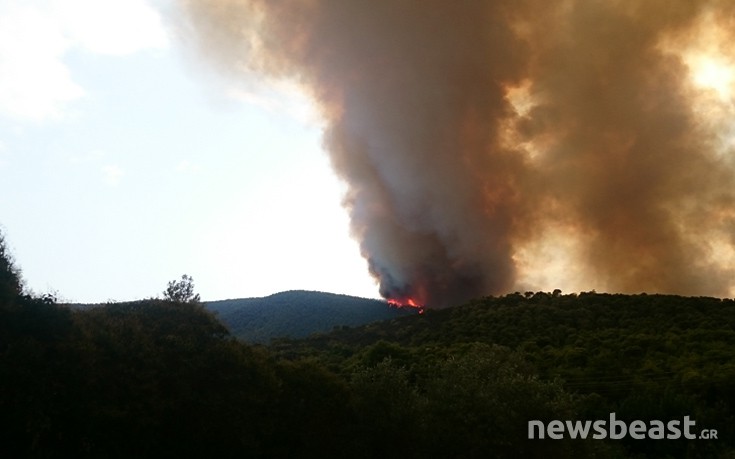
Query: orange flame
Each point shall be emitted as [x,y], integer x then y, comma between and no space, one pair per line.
[406,302]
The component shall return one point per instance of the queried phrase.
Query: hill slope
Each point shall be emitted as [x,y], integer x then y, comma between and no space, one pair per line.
[298,313]
[564,334]
[639,356]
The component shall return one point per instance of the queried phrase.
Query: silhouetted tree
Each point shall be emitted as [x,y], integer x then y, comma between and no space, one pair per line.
[10,284]
[181,291]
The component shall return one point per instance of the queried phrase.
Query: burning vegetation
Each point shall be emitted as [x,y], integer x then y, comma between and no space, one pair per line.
[406,302]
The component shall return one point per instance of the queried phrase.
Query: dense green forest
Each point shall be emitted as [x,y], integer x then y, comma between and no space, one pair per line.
[164,378]
[298,313]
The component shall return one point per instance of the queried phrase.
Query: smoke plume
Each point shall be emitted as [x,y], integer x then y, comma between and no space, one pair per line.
[490,146]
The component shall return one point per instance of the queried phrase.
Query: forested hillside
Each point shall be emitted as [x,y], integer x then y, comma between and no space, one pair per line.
[298,313]
[163,378]
[641,356]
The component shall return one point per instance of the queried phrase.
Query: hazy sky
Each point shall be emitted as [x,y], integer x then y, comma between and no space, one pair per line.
[528,146]
[124,164]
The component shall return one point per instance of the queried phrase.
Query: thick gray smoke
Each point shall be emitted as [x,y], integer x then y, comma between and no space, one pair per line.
[482,140]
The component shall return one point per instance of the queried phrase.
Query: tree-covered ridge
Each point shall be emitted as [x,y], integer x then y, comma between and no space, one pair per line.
[163,378]
[298,313]
[642,356]
[651,332]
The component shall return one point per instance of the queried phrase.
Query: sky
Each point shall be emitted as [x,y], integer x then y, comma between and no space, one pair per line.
[145,139]
[124,164]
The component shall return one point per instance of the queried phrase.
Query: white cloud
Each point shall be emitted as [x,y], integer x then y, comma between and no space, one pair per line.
[34,82]
[35,35]
[87,157]
[279,96]
[187,167]
[112,174]
[3,155]
[115,27]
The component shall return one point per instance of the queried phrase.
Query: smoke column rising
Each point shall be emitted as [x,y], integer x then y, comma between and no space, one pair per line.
[484,141]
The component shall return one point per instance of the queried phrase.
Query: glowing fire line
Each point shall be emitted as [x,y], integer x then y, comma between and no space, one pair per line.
[406,303]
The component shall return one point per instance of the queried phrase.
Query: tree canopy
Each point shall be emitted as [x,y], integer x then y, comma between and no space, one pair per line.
[181,291]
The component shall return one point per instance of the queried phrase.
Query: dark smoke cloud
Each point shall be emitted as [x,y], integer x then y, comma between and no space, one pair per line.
[469,132]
